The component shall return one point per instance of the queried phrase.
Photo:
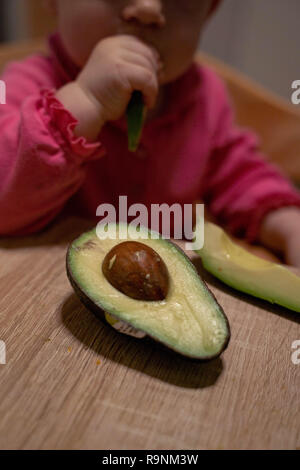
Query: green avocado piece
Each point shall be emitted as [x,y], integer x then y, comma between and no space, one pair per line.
[135,120]
[246,272]
[189,320]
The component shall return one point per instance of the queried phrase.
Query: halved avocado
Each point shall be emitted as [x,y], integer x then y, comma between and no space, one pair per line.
[246,272]
[189,320]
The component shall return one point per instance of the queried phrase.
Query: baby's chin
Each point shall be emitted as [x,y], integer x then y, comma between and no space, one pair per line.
[173,74]
[78,57]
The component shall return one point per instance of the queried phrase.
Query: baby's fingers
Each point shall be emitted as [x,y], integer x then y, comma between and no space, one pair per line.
[135,44]
[146,81]
[146,62]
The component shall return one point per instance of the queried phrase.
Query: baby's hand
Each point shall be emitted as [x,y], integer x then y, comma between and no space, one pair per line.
[292,251]
[117,66]
[280,231]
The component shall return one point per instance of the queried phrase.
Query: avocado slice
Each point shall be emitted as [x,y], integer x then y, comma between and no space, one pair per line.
[136,113]
[189,320]
[246,272]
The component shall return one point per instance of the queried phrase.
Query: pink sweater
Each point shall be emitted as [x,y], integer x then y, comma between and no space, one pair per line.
[192,152]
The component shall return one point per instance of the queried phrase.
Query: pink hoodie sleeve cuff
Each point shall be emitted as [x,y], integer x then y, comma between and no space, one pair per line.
[255,219]
[63,123]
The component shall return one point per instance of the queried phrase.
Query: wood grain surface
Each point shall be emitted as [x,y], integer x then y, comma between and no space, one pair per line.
[71,382]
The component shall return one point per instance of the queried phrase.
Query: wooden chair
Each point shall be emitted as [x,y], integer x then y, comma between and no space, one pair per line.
[19,50]
[38,20]
[274,120]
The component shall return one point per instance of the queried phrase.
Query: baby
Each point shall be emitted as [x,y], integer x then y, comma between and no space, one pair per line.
[63,140]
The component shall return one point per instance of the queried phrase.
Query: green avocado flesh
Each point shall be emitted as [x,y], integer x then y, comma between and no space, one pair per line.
[189,320]
[135,120]
[246,272]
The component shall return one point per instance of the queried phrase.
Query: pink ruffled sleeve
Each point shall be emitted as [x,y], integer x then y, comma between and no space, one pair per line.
[43,164]
[62,124]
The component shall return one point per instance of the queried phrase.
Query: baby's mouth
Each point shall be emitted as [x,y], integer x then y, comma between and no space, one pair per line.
[140,34]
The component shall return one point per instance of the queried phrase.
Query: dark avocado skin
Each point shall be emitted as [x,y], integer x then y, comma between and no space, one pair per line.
[99,312]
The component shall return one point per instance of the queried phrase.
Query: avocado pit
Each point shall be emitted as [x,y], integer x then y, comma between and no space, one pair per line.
[137,271]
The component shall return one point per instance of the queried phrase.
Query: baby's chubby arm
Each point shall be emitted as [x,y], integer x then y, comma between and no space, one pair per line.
[42,164]
[280,231]
[117,66]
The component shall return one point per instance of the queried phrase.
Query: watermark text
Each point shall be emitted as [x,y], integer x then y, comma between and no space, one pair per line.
[188,222]
[2,353]
[295,98]
[2,92]
[296,353]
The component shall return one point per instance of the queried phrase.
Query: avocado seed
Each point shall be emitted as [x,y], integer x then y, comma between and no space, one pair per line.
[137,271]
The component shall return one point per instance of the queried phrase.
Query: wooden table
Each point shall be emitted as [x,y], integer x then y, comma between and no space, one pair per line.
[71,382]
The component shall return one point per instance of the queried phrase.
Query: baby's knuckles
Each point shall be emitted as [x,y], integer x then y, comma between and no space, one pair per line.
[111,79]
